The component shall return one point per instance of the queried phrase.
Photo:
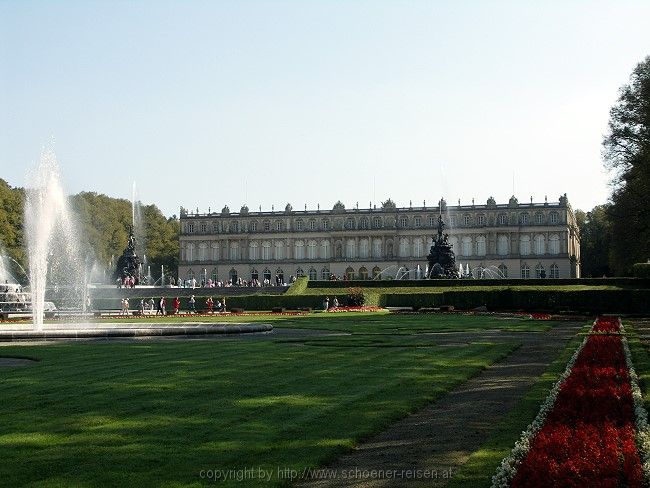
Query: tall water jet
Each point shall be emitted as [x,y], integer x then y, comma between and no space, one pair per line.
[49,231]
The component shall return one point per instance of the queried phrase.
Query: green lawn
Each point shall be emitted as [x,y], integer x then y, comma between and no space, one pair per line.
[158,413]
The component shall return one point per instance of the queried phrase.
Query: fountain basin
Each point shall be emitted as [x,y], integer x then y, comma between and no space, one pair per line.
[20,332]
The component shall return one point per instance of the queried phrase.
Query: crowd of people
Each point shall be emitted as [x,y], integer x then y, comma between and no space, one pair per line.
[146,307]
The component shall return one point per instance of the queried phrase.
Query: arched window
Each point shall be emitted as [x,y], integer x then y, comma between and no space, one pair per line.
[190,274]
[234,251]
[349,273]
[540,244]
[503,245]
[215,251]
[539,271]
[280,274]
[554,244]
[525,271]
[503,219]
[363,273]
[189,252]
[555,271]
[214,275]
[325,274]
[363,248]
[375,272]
[299,273]
[480,246]
[267,274]
[312,274]
[466,245]
[253,250]
[312,250]
[376,248]
[417,248]
[523,219]
[233,275]
[351,249]
[266,251]
[299,250]
[254,274]
[203,251]
[404,248]
[325,249]
[504,270]
[539,218]
[524,245]
[279,249]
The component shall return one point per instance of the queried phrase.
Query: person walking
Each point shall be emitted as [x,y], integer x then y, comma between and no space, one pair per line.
[326,304]
[210,303]
[141,310]
[177,305]
[152,302]
[159,309]
[193,304]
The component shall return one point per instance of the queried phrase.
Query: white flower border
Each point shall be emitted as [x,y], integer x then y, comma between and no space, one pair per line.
[508,468]
[640,413]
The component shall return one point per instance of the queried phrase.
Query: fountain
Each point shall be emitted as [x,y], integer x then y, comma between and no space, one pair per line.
[54,260]
[50,234]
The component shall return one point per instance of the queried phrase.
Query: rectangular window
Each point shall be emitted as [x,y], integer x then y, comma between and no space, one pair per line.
[417,222]
[326,224]
[267,226]
[299,225]
[204,227]
[190,228]
[312,225]
[253,226]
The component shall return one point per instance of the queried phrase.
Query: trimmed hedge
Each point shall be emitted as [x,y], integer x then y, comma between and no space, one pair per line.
[246,302]
[589,301]
[641,270]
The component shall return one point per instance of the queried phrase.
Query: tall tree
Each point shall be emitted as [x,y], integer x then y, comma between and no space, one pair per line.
[626,151]
[595,241]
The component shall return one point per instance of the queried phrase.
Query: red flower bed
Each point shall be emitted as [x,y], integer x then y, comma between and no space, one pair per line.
[355,309]
[607,324]
[588,437]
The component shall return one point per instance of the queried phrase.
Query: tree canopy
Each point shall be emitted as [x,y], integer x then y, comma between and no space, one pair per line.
[103,229]
[626,151]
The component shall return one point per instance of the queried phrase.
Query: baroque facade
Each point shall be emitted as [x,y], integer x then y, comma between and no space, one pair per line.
[522,240]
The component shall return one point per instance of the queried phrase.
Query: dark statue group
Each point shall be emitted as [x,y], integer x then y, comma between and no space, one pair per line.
[129,264]
[441,258]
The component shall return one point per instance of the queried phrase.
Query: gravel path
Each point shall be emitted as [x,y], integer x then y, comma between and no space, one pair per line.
[441,437]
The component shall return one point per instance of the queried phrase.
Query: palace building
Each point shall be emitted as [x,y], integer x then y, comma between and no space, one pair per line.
[522,240]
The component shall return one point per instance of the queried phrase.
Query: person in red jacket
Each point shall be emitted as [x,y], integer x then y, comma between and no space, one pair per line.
[177,305]
[210,303]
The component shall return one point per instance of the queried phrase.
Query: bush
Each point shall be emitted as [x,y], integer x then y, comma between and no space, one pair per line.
[355,297]
[641,270]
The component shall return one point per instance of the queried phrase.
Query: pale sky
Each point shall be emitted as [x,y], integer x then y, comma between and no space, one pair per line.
[210,103]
